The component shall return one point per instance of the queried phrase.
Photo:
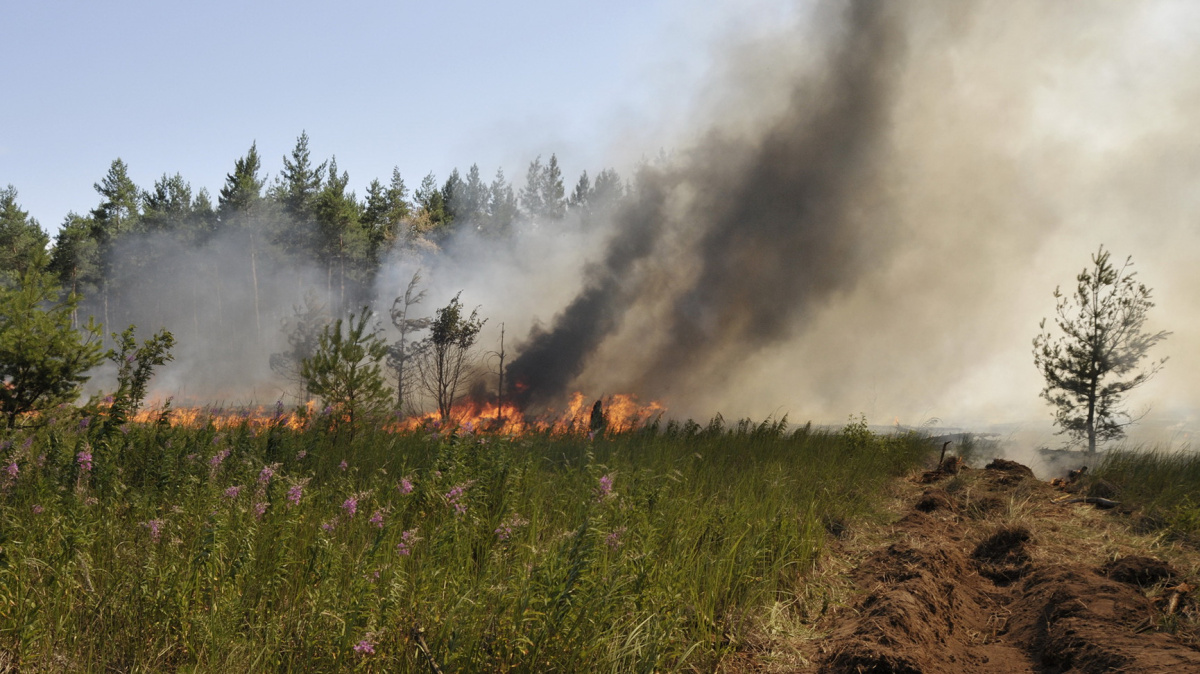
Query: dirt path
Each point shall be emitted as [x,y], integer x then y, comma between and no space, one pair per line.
[986,572]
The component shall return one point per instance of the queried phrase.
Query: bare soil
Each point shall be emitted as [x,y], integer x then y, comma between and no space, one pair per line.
[990,570]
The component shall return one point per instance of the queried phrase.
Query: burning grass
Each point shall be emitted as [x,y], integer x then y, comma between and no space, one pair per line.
[244,542]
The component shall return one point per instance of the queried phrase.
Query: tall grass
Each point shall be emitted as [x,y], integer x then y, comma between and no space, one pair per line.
[1165,483]
[251,549]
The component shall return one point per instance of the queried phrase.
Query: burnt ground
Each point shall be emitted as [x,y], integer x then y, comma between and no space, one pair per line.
[989,570]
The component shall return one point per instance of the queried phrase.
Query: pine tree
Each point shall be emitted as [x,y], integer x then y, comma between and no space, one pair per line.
[21,238]
[75,258]
[1088,368]
[43,358]
[342,242]
[345,370]
[120,207]
[531,195]
[607,191]
[451,192]
[243,187]
[385,214]
[502,205]
[554,201]
[581,195]
[431,205]
[168,205]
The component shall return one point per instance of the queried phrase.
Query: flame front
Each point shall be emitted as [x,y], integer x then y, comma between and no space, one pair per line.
[621,412]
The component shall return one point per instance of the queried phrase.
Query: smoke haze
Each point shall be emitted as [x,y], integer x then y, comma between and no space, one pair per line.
[867,212]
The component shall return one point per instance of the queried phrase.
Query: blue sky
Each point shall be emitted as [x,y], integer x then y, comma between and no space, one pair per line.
[186,87]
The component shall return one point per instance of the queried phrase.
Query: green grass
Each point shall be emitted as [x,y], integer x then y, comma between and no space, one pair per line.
[1165,484]
[154,561]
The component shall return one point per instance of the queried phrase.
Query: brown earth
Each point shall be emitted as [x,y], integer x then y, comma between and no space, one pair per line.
[989,571]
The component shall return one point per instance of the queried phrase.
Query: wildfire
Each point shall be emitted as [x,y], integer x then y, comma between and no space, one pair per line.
[221,418]
[620,412]
[616,413]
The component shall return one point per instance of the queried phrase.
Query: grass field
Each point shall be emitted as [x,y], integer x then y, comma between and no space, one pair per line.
[262,547]
[1163,484]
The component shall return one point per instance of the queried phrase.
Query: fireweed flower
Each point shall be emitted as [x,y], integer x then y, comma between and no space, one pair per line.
[605,489]
[350,505]
[330,525]
[377,518]
[613,539]
[407,540]
[406,486]
[12,469]
[155,527]
[295,493]
[264,476]
[233,492]
[505,530]
[259,509]
[218,458]
[365,647]
[84,459]
[37,510]
[343,465]
[83,423]
[454,496]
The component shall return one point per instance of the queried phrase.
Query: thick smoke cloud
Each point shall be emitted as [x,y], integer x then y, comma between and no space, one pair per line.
[866,212]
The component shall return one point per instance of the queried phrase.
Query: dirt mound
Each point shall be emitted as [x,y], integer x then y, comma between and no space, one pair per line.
[1138,570]
[1002,557]
[946,597]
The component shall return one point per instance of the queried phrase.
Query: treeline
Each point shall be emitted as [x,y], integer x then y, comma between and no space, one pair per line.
[306,217]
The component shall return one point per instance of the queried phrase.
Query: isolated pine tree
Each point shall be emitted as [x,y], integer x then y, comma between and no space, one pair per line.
[1093,363]
[345,370]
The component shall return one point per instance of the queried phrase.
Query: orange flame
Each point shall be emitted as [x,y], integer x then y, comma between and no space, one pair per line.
[622,412]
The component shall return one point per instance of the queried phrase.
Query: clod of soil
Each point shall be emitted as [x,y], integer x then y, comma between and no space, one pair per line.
[1013,472]
[1138,570]
[1002,557]
[934,499]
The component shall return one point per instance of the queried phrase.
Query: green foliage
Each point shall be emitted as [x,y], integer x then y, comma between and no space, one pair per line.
[1164,485]
[345,370]
[135,366]
[243,187]
[1091,366]
[21,238]
[303,333]
[250,548]
[43,360]
[544,197]
[448,354]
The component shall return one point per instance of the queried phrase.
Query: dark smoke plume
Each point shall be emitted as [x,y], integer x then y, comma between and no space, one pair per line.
[741,236]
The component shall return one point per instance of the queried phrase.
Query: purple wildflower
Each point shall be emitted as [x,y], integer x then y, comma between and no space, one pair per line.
[327,411]
[350,505]
[264,476]
[218,458]
[454,495]
[377,518]
[155,527]
[505,530]
[108,400]
[259,509]
[365,647]
[605,488]
[12,469]
[84,458]
[41,461]
[301,454]
[233,492]
[406,486]
[84,422]
[37,510]
[613,539]
[330,525]
[28,443]
[295,493]
[343,465]
[407,540]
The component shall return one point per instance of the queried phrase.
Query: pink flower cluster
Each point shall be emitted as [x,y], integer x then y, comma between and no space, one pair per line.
[155,527]
[407,540]
[218,458]
[506,528]
[233,492]
[605,489]
[350,505]
[406,486]
[84,458]
[295,493]
[454,496]
[377,518]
